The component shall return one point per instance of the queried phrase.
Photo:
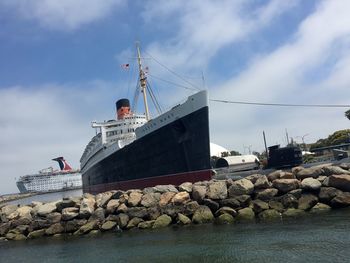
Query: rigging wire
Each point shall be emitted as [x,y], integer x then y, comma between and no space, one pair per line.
[170,82]
[173,72]
[282,104]
[154,99]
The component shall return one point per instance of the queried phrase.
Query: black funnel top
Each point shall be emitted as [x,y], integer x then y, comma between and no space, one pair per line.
[122,103]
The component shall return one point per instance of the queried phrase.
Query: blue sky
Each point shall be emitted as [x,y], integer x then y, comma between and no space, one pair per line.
[60,69]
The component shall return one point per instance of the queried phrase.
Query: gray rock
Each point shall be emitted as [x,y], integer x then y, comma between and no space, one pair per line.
[108,225]
[25,212]
[165,188]
[123,220]
[187,186]
[36,233]
[326,194]
[319,207]
[230,202]
[87,207]
[134,222]
[246,214]
[244,200]
[181,198]
[226,210]
[259,206]
[98,215]
[69,213]
[340,181]
[342,199]
[334,170]
[310,184]
[54,229]
[253,178]
[307,201]
[172,210]
[224,219]
[153,213]
[15,236]
[270,215]
[287,175]
[296,193]
[91,225]
[262,182]
[64,204]
[289,201]
[190,208]
[73,225]
[345,166]
[8,209]
[309,172]
[211,204]
[199,192]
[217,190]
[274,175]
[150,199]
[112,205]
[140,212]
[265,194]
[293,212]
[4,228]
[122,208]
[162,221]
[54,217]
[146,224]
[286,185]
[102,199]
[273,204]
[134,198]
[202,215]
[182,219]
[241,187]
[45,209]
[165,198]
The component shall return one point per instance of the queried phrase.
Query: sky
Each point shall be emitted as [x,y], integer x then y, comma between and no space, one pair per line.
[60,69]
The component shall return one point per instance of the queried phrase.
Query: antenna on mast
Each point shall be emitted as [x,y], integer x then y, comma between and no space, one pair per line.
[143,80]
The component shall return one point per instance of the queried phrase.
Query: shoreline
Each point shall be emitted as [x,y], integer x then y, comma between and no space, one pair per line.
[255,198]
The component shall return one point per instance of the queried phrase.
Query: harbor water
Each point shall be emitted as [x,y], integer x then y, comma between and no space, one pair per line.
[314,238]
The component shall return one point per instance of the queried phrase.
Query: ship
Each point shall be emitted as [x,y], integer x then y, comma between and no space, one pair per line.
[134,151]
[50,180]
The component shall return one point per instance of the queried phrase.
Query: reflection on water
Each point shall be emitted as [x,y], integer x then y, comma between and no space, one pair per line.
[322,238]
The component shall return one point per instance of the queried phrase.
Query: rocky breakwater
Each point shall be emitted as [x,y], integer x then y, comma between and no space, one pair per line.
[278,195]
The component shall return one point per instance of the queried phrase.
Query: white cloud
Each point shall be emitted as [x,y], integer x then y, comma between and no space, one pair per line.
[63,14]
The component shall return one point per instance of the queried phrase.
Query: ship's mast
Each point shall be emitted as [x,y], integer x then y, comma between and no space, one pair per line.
[143,80]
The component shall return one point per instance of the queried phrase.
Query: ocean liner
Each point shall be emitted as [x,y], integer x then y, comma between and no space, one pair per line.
[135,151]
[48,180]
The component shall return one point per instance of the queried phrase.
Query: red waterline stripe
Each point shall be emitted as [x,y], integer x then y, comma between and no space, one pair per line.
[174,179]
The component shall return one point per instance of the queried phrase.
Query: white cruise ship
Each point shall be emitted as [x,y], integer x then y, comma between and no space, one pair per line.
[50,180]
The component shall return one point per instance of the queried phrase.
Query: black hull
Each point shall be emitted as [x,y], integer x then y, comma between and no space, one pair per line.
[178,148]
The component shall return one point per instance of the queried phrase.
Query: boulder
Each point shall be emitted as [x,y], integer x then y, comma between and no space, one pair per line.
[274,204]
[202,215]
[150,199]
[108,225]
[187,186]
[122,208]
[246,214]
[8,209]
[244,200]
[262,182]
[69,213]
[307,201]
[326,194]
[124,198]
[45,209]
[241,187]
[309,172]
[340,181]
[165,188]
[73,225]
[146,224]
[165,198]
[230,202]
[293,212]
[4,228]
[64,204]
[172,210]
[91,225]
[54,229]
[224,219]
[134,222]
[345,166]
[217,190]
[211,204]
[98,215]
[265,194]
[112,205]
[319,207]
[296,193]
[334,170]
[153,213]
[342,199]
[287,175]
[253,178]
[182,219]
[270,215]
[310,184]
[102,199]
[54,217]
[140,212]
[289,201]
[286,185]
[36,233]
[87,207]
[259,206]
[181,198]
[39,223]
[321,178]
[274,175]
[190,208]
[123,220]
[162,221]
[15,236]
[199,192]
[134,198]
[226,210]
[25,212]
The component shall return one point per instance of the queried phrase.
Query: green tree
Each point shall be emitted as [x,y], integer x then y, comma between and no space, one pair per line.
[347,114]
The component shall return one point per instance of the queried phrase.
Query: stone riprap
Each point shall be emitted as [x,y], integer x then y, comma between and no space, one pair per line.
[278,195]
